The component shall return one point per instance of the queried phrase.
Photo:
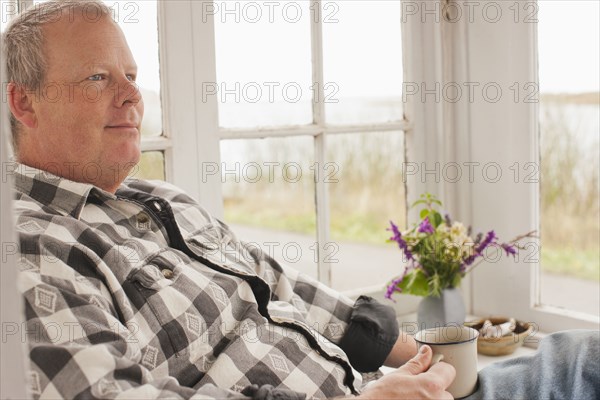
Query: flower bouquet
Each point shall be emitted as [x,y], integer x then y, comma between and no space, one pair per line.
[440,252]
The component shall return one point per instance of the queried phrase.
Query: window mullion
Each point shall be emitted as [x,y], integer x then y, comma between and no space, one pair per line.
[279,131]
[156,144]
[187,60]
[321,194]
[206,112]
[369,128]
[312,130]
[322,209]
[316,30]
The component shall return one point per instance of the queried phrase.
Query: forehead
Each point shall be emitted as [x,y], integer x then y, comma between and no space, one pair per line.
[80,42]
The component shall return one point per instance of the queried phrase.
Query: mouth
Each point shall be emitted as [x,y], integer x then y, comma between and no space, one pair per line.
[123,127]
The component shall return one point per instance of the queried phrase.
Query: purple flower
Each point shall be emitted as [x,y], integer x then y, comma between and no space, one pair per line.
[401,242]
[509,249]
[425,226]
[468,261]
[393,287]
[491,235]
[489,238]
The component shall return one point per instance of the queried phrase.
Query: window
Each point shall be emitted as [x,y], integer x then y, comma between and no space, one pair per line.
[362,61]
[367,193]
[308,95]
[312,133]
[263,58]
[569,127]
[299,84]
[513,133]
[8,9]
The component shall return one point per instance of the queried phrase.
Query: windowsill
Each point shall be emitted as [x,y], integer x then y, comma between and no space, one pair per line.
[408,324]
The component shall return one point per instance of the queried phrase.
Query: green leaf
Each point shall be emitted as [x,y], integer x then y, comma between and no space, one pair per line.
[415,283]
[416,203]
[435,218]
[435,285]
[424,213]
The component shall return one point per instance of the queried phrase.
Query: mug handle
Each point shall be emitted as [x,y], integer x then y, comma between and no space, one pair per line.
[436,359]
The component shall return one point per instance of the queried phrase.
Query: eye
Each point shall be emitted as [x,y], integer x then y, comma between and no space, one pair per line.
[97,77]
[131,77]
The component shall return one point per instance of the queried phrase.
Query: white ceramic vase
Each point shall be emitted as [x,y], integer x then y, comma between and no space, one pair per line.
[448,309]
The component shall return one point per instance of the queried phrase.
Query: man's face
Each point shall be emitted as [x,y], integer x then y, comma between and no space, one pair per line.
[89,113]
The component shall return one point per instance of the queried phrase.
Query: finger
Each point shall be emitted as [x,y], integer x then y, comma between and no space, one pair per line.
[418,363]
[447,396]
[443,373]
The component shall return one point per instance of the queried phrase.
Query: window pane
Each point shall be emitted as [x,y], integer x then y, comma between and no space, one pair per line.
[268,195]
[8,9]
[367,190]
[570,126]
[263,63]
[138,20]
[151,166]
[362,61]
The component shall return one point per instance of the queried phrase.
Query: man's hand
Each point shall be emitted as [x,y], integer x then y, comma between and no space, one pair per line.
[414,380]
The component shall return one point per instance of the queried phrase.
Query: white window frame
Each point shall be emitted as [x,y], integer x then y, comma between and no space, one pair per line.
[433,51]
[197,31]
[505,132]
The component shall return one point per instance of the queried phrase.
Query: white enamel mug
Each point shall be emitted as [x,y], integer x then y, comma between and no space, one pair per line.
[456,345]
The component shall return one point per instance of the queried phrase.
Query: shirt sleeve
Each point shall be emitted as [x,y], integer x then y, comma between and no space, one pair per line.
[371,334]
[365,330]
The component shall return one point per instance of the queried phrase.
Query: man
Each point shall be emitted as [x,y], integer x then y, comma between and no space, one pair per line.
[131,288]
[127,275]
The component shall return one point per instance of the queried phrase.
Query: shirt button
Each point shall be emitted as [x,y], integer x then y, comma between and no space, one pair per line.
[143,221]
[157,206]
[167,273]
[142,218]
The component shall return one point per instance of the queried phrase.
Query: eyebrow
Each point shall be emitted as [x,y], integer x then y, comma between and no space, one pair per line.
[93,65]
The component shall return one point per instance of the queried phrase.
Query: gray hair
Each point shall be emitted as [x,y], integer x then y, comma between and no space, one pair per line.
[23,42]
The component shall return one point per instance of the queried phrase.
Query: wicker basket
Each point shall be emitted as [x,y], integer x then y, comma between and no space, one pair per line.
[504,345]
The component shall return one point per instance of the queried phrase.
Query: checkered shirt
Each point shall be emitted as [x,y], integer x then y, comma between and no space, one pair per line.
[143,294]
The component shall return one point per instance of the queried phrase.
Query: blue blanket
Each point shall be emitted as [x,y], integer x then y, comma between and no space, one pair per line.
[566,366]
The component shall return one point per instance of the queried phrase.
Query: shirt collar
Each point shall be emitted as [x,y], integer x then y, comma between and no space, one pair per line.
[62,195]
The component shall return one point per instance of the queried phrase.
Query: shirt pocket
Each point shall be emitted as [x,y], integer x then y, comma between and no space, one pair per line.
[158,272]
[155,289]
[208,240]
[221,248]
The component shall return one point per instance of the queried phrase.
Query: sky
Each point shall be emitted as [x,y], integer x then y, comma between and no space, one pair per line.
[569,46]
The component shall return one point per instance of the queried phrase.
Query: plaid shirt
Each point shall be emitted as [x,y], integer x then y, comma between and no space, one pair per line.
[144,294]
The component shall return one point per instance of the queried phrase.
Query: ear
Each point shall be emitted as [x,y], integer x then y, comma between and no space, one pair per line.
[20,101]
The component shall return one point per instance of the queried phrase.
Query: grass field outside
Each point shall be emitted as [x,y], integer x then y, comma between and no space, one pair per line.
[366,184]
[369,189]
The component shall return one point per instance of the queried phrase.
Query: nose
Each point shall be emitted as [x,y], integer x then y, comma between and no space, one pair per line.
[128,93]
